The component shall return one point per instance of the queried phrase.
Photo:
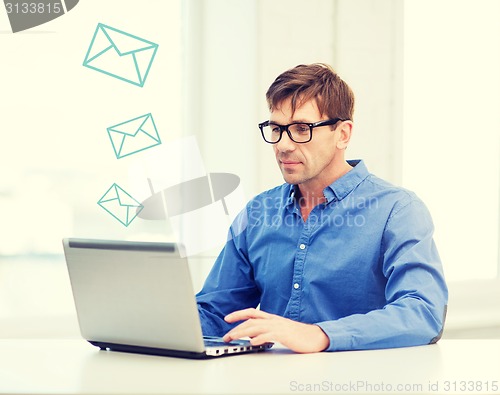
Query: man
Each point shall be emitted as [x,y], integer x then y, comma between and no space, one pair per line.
[335,258]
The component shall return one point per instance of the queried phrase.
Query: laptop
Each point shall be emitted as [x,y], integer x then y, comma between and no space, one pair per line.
[138,297]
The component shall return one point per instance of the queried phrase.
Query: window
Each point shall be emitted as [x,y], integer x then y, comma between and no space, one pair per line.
[56,159]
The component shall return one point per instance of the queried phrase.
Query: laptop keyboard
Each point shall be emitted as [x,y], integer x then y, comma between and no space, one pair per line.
[212,343]
[218,342]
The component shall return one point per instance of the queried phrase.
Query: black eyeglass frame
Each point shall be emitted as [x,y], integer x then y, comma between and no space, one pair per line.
[284,128]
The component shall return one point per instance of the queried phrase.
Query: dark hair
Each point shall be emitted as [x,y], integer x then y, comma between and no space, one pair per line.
[315,81]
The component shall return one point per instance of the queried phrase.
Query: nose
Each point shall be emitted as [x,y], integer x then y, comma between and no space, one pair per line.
[285,144]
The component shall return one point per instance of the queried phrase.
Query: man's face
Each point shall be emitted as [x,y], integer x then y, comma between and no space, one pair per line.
[308,163]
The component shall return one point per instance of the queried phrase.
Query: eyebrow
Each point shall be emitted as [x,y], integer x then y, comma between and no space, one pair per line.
[293,121]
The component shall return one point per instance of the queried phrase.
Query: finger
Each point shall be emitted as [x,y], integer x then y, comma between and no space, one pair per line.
[242,315]
[244,330]
[262,339]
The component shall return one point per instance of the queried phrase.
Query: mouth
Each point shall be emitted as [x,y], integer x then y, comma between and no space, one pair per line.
[289,163]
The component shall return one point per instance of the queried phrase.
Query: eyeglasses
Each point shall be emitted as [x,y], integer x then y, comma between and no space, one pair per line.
[299,132]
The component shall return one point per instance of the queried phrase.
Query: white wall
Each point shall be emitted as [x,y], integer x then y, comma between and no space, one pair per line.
[240,47]
[451,151]
[369,55]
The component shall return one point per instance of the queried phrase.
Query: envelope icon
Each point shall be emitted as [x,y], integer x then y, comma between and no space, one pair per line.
[134,136]
[120,55]
[120,204]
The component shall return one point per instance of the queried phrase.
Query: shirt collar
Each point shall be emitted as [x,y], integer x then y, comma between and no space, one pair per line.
[340,188]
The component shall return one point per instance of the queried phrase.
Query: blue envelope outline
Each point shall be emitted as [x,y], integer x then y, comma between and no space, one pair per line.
[134,135]
[120,55]
[120,204]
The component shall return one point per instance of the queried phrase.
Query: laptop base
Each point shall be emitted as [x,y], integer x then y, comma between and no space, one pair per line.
[105,346]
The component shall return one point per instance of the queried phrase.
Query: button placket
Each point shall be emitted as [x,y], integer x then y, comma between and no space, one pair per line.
[298,274]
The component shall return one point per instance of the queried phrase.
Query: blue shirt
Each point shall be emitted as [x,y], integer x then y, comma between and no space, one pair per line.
[363,266]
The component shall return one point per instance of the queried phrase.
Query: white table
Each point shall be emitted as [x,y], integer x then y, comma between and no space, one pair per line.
[72,366]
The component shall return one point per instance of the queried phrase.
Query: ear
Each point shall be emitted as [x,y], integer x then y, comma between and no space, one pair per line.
[345,134]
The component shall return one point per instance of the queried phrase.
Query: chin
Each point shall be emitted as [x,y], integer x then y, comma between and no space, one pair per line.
[291,179]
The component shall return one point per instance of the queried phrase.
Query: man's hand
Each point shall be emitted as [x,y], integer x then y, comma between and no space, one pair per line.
[262,327]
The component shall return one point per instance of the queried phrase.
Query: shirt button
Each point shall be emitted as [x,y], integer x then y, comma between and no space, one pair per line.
[302,246]
[296,285]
